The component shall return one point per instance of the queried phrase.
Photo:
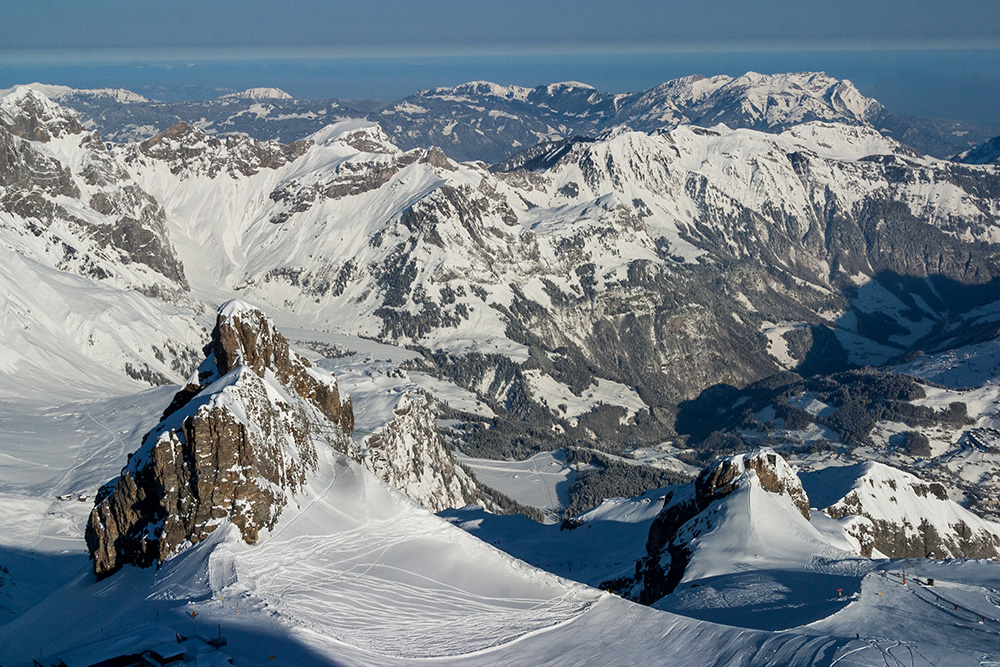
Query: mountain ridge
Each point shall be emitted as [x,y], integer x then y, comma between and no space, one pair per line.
[456,119]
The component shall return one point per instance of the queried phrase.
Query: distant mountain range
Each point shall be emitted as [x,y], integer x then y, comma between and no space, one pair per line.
[585,290]
[488,122]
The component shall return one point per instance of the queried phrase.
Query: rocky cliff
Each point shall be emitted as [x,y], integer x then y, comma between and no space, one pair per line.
[410,454]
[234,445]
[690,511]
[84,208]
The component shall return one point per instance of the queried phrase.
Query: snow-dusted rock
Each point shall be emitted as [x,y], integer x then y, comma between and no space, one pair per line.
[748,507]
[909,518]
[410,454]
[234,445]
[189,151]
[57,177]
[259,94]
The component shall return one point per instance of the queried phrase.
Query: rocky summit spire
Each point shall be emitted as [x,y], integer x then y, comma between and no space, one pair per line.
[233,445]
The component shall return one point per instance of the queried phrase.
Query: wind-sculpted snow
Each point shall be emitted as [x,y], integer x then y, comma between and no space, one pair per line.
[394,581]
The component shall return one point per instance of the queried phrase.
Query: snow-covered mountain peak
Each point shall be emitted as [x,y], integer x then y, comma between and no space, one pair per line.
[781,99]
[694,88]
[985,153]
[361,135]
[259,94]
[745,511]
[245,336]
[188,151]
[483,88]
[768,102]
[30,114]
[235,308]
[62,93]
[838,141]
[561,86]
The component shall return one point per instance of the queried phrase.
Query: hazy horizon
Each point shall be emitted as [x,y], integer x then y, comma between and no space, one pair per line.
[918,57]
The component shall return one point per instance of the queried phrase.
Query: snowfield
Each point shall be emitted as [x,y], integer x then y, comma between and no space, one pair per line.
[359,575]
[541,481]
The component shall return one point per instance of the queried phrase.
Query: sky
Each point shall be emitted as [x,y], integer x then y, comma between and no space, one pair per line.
[923,57]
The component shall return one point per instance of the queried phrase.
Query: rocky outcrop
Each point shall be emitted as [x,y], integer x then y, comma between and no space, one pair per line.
[30,115]
[410,454]
[883,512]
[907,517]
[773,474]
[234,444]
[114,230]
[667,549]
[190,151]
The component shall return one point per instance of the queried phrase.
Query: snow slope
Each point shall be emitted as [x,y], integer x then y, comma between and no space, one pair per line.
[914,517]
[355,574]
[540,481]
[597,546]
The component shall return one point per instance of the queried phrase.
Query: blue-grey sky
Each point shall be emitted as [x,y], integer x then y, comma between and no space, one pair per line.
[917,56]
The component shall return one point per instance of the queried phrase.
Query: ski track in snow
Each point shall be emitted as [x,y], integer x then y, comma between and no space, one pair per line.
[357,598]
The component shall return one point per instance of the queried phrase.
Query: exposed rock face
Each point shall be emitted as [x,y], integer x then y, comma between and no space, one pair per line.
[30,115]
[189,150]
[666,546]
[773,474]
[249,339]
[234,444]
[885,511]
[907,517]
[410,454]
[46,156]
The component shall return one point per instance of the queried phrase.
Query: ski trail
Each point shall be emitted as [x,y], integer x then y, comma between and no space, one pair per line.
[85,455]
[545,486]
[363,587]
[31,463]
